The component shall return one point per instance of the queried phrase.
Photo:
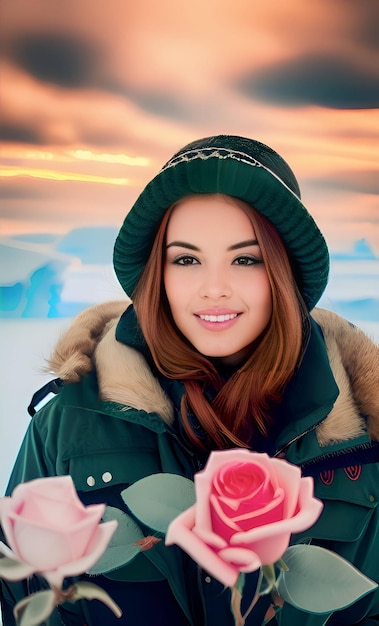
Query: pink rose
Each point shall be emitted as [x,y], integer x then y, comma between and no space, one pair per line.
[51,531]
[247,506]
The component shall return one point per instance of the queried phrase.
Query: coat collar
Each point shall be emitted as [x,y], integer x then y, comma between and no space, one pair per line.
[339,355]
[128,331]
[308,398]
[311,393]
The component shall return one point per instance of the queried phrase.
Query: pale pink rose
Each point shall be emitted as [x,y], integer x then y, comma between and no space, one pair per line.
[247,506]
[51,531]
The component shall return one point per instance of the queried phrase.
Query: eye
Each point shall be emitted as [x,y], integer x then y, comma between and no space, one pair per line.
[246,259]
[185,259]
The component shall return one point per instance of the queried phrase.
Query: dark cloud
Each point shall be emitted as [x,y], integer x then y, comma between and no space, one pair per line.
[331,82]
[102,138]
[367,33]
[9,192]
[163,105]
[73,64]
[154,101]
[59,59]
[20,134]
[365,20]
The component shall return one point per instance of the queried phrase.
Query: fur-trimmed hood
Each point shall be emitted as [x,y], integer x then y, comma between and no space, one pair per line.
[122,371]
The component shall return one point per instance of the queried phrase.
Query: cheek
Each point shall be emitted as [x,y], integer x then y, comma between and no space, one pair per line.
[177,286]
[176,293]
[259,295]
[264,293]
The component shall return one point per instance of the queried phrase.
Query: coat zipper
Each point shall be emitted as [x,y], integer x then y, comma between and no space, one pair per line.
[294,439]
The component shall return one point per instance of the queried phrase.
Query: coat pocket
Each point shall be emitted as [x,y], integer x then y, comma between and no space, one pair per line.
[100,470]
[340,521]
[349,504]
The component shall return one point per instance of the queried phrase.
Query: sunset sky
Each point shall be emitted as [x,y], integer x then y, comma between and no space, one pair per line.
[97,94]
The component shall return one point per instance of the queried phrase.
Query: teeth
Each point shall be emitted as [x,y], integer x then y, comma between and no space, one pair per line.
[218,318]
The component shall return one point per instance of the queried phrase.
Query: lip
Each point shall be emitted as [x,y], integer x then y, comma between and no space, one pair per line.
[219,324]
[217,311]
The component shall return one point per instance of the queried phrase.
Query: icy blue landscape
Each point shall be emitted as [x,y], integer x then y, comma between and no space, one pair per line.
[46,280]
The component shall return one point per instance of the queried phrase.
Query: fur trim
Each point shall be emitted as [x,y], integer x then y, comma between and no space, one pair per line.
[127,379]
[72,356]
[354,360]
[124,376]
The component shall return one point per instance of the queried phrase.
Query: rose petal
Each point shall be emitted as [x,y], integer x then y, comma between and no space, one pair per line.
[53,487]
[180,533]
[6,505]
[272,548]
[213,540]
[203,479]
[240,490]
[241,480]
[241,557]
[48,547]
[269,514]
[50,511]
[221,523]
[95,549]
[44,548]
[289,477]
[52,500]
[218,458]
[203,487]
[309,511]
[281,472]
[248,517]
[309,507]
[27,570]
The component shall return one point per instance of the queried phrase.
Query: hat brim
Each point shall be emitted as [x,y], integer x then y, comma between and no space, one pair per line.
[247,180]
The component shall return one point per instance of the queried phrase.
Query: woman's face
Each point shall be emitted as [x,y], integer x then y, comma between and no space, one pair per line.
[215,280]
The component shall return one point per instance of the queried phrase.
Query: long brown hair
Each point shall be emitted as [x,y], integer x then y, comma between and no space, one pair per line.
[242,405]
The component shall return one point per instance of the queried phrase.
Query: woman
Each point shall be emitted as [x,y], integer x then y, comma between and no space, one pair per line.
[224,265]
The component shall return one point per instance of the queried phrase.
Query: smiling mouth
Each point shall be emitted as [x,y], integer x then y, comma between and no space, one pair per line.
[218,318]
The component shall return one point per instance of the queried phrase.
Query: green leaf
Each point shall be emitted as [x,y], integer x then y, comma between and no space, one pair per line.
[157,499]
[35,609]
[10,569]
[281,565]
[320,581]
[121,548]
[268,580]
[236,599]
[89,591]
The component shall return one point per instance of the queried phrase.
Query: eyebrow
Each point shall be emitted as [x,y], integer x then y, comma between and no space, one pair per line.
[234,246]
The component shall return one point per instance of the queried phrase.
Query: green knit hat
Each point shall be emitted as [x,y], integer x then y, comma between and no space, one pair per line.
[238,167]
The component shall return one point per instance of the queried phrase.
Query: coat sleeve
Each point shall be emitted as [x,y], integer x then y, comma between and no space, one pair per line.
[33,461]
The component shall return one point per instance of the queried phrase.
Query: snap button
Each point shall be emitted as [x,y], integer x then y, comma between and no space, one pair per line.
[90,481]
[371,498]
[208,579]
[106,477]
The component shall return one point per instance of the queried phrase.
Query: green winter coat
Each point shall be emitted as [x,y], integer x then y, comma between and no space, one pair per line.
[117,424]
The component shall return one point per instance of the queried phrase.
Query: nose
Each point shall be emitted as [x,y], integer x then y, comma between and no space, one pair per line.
[215,286]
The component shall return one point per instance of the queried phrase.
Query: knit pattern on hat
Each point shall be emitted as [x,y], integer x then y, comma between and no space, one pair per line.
[238,167]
